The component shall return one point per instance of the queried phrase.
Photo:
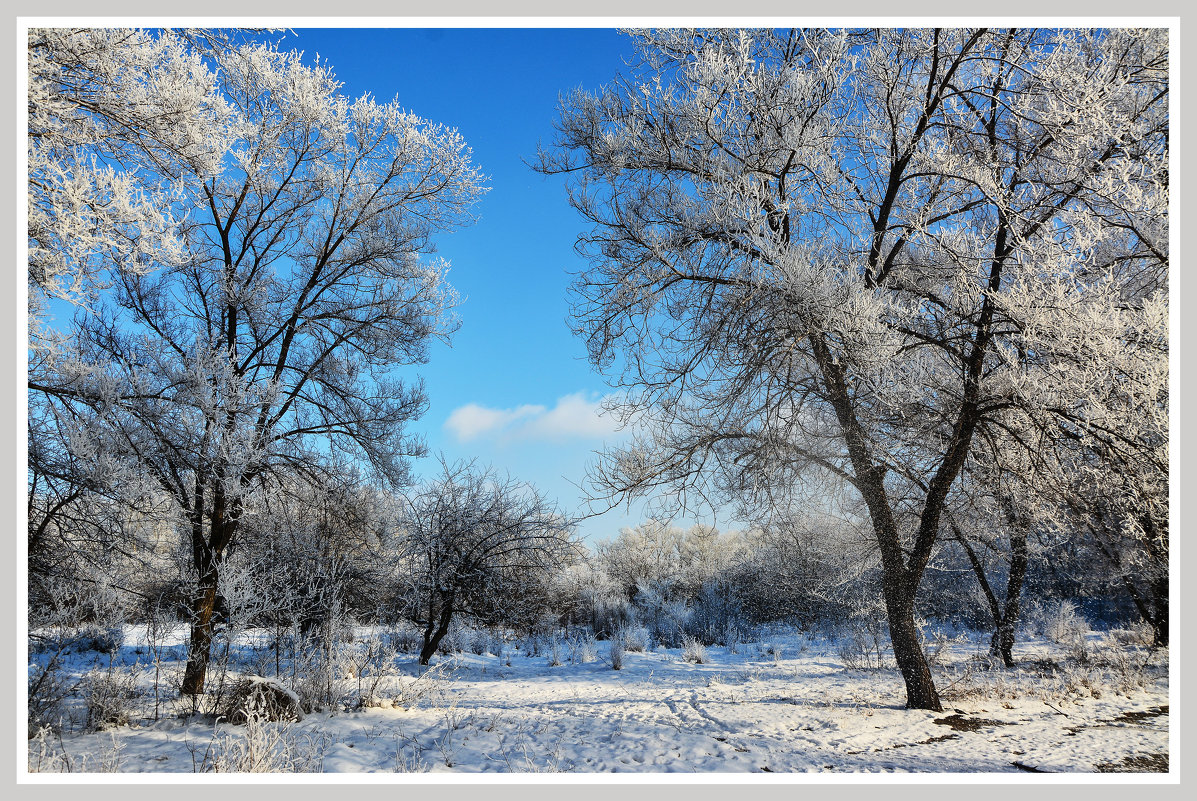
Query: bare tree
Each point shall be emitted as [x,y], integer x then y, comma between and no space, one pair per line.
[832,253]
[271,342]
[479,544]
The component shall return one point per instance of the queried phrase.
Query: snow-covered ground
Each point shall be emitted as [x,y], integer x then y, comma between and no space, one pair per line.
[788,705]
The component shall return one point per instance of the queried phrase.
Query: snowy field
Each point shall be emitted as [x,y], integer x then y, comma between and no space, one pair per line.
[787,704]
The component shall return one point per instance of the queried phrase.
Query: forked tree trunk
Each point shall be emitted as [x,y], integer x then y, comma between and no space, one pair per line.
[200,649]
[436,630]
[1158,533]
[1152,604]
[1005,615]
[206,556]
[1153,609]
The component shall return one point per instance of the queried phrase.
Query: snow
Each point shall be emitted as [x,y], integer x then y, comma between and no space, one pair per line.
[799,712]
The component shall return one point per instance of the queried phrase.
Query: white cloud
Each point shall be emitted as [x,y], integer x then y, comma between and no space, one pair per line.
[471,421]
[574,415]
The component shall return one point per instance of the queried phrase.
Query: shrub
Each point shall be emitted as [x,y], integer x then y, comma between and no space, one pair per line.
[933,640]
[406,639]
[263,746]
[635,638]
[261,698]
[1063,623]
[102,639]
[45,757]
[715,615]
[89,637]
[482,643]
[49,687]
[585,648]
[694,651]
[667,620]
[616,653]
[1138,634]
[431,684]
[863,645]
[1068,629]
[531,645]
[457,641]
[108,697]
[774,650]
[733,636]
[554,651]
[372,664]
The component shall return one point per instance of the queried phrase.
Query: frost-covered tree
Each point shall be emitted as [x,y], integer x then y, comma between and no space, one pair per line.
[96,529]
[856,253]
[270,340]
[673,561]
[320,539]
[479,544]
[1110,476]
[648,554]
[119,121]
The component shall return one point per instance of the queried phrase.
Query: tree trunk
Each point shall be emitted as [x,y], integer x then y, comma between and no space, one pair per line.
[1157,549]
[200,649]
[1159,620]
[1002,644]
[1152,605]
[207,556]
[908,652]
[436,631]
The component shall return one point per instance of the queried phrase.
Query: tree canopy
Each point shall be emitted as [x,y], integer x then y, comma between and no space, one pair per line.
[866,253]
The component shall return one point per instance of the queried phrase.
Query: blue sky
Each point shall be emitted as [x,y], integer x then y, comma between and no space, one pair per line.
[514,390]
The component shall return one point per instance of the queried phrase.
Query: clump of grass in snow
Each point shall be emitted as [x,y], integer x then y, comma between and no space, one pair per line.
[45,756]
[261,746]
[694,651]
[1112,668]
[1139,634]
[584,649]
[616,653]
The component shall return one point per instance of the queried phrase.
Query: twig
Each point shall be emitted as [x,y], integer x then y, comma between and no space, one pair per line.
[1057,710]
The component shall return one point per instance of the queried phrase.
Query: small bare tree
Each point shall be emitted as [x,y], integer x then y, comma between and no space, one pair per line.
[481,544]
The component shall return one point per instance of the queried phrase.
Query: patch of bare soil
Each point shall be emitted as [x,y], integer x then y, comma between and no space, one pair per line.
[928,741]
[961,723]
[1139,717]
[1143,763]
[1125,717]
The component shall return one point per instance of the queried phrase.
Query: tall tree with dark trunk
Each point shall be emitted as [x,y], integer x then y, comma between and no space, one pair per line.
[824,253]
[270,338]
